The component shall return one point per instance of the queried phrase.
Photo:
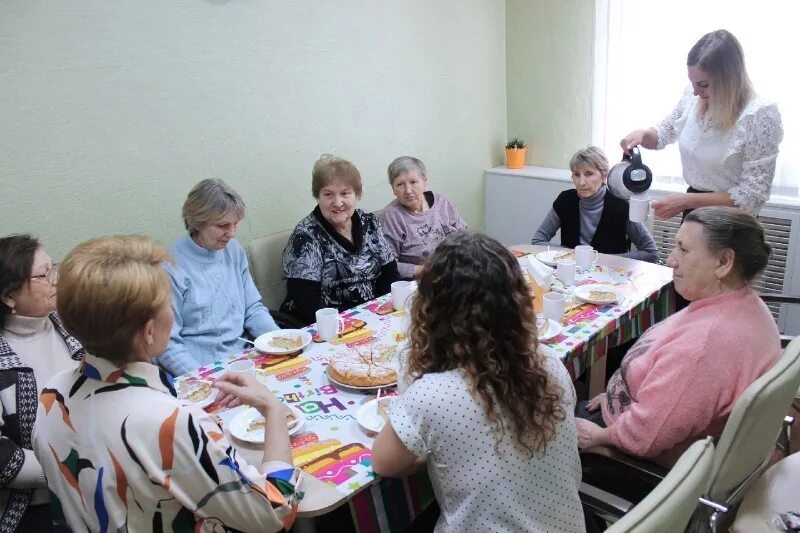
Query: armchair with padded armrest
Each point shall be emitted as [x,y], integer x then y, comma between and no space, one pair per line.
[669,506]
[742,453]
[784,299]
[265,255]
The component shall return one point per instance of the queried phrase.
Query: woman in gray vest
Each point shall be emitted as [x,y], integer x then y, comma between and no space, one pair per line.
[589,214]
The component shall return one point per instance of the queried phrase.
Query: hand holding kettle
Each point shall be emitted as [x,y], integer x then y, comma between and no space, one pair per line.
[630,176]
[646,137]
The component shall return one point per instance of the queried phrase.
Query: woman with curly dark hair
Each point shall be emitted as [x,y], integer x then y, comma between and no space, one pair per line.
[490,416]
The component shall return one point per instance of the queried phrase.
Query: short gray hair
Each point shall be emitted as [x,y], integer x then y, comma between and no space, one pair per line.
[729,228]
[404,164]
[211,199]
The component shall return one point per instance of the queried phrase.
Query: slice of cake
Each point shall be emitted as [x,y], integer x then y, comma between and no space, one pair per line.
[542,325]
[260,423]
[603,296]
[286,342]
[194,390]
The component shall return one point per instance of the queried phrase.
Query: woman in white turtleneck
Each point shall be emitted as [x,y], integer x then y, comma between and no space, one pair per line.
[33,347]
[589,214]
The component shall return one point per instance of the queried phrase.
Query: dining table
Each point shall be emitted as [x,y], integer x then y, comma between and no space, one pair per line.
[334,450]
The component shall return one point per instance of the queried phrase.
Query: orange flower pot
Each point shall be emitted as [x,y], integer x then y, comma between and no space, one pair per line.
[515,157]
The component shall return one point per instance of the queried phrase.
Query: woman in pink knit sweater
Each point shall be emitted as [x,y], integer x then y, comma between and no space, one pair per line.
[680,380]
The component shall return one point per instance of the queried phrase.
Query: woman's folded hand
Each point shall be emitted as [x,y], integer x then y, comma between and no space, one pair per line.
[590,434]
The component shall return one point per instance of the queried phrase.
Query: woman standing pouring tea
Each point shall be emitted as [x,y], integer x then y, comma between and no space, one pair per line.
[728,136]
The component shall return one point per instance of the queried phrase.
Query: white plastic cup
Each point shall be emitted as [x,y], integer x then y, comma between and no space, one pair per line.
[553,306]
[639,208]
[242,366]
[585,256]
[401,290]
[565,270]
[329,323]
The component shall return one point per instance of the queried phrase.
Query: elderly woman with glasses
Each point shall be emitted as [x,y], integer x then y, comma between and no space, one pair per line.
[417,220]
[214,298]
[33,347]
[121,452]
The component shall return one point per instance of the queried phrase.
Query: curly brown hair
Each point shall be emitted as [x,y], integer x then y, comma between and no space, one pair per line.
[473,312]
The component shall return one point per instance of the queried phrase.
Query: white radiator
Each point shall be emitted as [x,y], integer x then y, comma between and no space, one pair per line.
[778,232]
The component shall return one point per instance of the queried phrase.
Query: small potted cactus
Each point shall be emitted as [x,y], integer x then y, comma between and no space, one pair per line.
[515,153]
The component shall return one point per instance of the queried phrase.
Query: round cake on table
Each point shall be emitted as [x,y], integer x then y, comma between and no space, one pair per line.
[367,366]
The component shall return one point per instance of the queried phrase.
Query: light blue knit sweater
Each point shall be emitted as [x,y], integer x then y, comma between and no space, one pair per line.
[214,300]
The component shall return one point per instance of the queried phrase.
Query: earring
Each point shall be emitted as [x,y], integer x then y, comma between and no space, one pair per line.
[13,311]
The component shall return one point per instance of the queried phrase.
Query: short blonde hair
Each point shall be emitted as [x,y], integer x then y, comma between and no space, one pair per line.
[210,200]
[592,157]
[720,55]
[329,168]
[108,288]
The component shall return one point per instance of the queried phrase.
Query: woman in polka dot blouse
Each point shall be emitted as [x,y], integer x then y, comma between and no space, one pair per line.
[490,417]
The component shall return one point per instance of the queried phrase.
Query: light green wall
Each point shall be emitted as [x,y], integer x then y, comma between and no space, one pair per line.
[549,58]
[110,110]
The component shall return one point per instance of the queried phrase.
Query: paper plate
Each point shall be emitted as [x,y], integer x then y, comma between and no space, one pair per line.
[549,257]
[264,342]
[240,424]
[368,417]
[208,400]
[553,330]
[584,292]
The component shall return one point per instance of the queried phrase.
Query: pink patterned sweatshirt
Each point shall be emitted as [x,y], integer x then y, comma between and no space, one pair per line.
[413,236]
[680,380]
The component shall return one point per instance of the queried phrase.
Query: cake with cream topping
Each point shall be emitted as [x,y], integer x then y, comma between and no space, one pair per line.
[368,366]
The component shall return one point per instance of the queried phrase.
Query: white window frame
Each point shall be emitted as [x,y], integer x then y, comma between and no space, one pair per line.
[609,12]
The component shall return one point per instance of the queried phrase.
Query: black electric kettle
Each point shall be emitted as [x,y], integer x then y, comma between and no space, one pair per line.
[629,176]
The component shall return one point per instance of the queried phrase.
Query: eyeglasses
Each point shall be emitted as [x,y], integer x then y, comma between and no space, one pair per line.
[51,275]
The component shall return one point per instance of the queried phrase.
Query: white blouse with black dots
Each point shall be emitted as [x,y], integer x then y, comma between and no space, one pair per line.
[482,487]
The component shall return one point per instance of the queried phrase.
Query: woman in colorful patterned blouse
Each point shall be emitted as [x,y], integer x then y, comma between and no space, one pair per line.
[728,136]
[336,256]
[33,347]
[120,451]
[417,219]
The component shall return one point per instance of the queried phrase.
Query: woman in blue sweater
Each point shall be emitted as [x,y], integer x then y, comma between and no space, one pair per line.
[214,299]
[589,214]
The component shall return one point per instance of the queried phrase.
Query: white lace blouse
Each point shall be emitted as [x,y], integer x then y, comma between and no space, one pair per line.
[740,161]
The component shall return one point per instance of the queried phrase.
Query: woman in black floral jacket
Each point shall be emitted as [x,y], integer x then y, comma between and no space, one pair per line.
[33,347]
[337,256]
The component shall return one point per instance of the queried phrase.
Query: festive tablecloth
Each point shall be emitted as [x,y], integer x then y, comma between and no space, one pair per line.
[332,446]
[589,330]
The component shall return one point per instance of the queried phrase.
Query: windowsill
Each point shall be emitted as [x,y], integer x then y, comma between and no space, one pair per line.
[660,185]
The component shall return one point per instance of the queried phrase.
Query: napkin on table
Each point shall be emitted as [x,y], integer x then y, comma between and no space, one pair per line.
[541,273]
